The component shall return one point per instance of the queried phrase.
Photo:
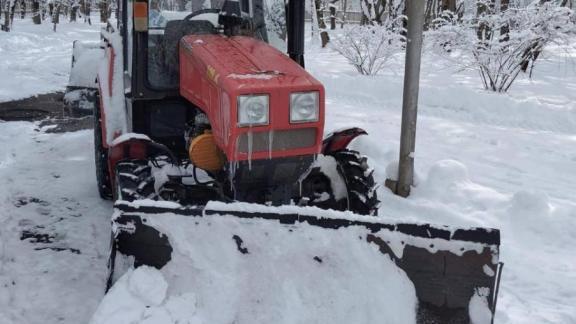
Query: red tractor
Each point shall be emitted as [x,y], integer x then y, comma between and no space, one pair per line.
[195,103]
[213,97]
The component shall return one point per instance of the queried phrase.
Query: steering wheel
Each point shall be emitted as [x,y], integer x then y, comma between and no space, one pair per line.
[202,11]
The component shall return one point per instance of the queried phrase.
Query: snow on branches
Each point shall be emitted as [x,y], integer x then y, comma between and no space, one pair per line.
[502,43]
[368,47]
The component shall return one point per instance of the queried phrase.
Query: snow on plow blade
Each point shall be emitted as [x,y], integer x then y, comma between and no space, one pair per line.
[453,272]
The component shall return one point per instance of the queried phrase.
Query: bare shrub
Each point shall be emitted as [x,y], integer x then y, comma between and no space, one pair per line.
[368,48]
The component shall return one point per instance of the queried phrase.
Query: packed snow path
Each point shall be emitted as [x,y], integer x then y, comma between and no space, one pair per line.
[484,159]
[54,229]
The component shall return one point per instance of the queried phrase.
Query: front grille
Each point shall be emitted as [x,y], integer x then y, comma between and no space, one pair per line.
[281,140]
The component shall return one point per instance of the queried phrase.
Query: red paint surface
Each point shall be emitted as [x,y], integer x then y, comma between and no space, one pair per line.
[215,69]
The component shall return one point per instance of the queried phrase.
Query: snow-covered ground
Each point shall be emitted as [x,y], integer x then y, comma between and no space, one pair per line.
[506,161]
[34,59]
[499,160]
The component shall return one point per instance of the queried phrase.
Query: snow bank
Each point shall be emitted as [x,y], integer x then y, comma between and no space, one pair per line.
[226,270]
[140,297]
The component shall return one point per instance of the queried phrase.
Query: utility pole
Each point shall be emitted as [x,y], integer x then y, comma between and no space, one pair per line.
[415,13]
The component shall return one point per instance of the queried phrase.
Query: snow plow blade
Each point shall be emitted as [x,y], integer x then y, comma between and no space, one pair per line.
[454,271]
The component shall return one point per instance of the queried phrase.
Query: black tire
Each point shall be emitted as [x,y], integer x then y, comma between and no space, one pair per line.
[360,184]
[101,156]
[359,180]
[317,188]
[134,180]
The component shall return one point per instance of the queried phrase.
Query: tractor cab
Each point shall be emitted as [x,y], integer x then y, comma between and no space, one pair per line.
[168,24]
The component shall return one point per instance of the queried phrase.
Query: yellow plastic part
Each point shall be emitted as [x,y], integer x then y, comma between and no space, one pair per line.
[205,154]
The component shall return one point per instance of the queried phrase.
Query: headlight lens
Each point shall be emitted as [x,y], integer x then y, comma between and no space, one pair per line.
[304,107]
[253,110]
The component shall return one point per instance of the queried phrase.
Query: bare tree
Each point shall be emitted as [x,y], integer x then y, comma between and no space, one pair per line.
[36,16]
[104,10]
[318,21]
[332,7]
[9,9]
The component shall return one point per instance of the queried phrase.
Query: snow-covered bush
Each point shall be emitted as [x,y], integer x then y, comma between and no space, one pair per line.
[368,47]
[502,44]
[275,15]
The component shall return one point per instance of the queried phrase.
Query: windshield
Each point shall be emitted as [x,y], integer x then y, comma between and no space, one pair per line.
[170,20]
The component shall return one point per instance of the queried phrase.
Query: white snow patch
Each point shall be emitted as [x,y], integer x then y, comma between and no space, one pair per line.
[258,76]
[478,308]
[329,167]
[149,285]
[129,136]
[88,57]
[488,271]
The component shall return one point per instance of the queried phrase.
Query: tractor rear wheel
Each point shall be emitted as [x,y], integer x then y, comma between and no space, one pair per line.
[101,155]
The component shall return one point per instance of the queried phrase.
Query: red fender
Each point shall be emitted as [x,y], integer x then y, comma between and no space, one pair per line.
[127,148]
[339,140]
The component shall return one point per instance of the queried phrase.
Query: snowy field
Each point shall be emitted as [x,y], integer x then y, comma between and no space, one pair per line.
[482,159]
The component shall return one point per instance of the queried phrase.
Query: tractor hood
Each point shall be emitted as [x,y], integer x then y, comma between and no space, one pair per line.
[243,63]
[215,70]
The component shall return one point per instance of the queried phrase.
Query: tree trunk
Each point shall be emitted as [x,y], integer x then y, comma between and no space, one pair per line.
[366,8]
[484,33]
[73,13]
[449,5]
[36,18]
[505,30]
[22,9]
[344,12]
[333,14]
[104,11]
[321,24]
[56,14]
[87,11]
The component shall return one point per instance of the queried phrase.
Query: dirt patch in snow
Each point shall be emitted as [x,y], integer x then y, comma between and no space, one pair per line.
[49,109]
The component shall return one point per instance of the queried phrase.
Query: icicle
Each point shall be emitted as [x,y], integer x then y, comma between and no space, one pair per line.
[250,143]
[270,143]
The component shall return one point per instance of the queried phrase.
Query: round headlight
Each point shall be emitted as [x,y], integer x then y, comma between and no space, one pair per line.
[253,110]
[304,107]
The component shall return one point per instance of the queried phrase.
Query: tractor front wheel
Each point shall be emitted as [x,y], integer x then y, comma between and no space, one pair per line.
[134,180]
[341,181]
